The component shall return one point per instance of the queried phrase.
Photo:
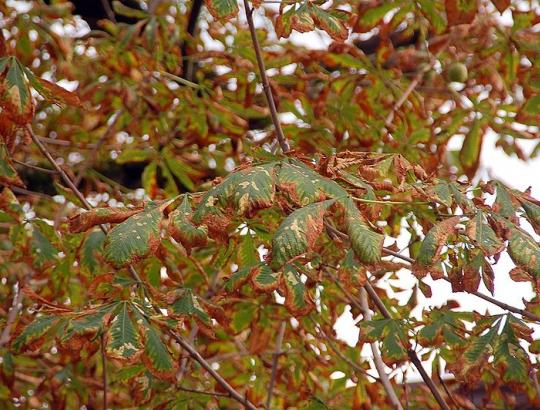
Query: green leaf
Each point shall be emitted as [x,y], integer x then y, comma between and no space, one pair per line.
[367,245]
[123,341]
[263,279]
[298,233]
[187,304]
[88,323]
[532,106]
[34,331]
[237,279]
[183,230]
[480,346]
[469,155]
[483,236]
[375,14]
[524,250]
[126,373]
[222,10]
[248,255]
[156,356]
[124,10]
[504,205]
[17,91]
[42,250]
[510,355]
[297,301]
[533,214]
[8,175]
[134,238]
[92,245]
[392,335]
[304,186]
[133,155]
[435,239]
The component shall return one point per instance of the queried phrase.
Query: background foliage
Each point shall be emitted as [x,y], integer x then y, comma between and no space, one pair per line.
[211,261]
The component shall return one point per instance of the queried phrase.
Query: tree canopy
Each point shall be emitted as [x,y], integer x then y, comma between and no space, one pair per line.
[192,197]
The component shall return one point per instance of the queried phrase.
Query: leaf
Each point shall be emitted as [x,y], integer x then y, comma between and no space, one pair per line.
[301,20]
[34,331]
[504,205]
[156,356]
[42,249]
[435,239]
[15,97]
[248,256]
[134,238]
[392,335]
[51,91]
[183,230]
[524,250]
[533,214]
[124,10]
[329,22]
[98,216]
[283,24]
[298,233]
[480,346]
[123,341]
[263,279]
[367,245]
[469,156]
[92,245]
[304,186]
[88,323]
[509,354]
[483,236]
[501,5]
[149,179]
[133,155]
[8,175]
[222,10]
[297,301]
[187,304]
[460,11]
[237,279]
[430,10]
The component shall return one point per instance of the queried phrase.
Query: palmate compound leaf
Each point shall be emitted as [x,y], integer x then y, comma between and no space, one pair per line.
[123,340]
[222,10]
[297,299]
[481,234]
[435,239]
[298,233]
[391,334]
[136,237]
[304,186]
[366,244]
[183,230]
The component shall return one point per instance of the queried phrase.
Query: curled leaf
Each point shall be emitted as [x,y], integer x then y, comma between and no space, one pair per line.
[435,239]
[88,219]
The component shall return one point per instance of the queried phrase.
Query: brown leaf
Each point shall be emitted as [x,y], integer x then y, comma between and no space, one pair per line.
[501,5]
[58,94]
[488,277]
[460,11]
[471,279]
[519,275]
[88,219]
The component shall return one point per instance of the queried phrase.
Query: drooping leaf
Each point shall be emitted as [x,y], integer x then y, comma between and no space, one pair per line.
[222,10]
[15,97]
[298,233]
[52,92]
[123,340]
[481,344]
[304,186]
[483,236]
[332,23]
[88,219]
[510,355]
[532,212]
[435,239]
[367,245]
[524,250]
[134,238]
[156,356]
[183,230]
[297,299]
[92,245]
[8,175]
[469,155]
[34,331]
[504,204]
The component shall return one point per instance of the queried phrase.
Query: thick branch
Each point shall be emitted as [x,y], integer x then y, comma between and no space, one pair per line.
[283,143]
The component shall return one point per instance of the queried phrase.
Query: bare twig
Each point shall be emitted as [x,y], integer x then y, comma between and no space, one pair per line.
[104,371]
[379,365]
[35,167]
[277,353]
[283,143]
[12,315]
[207,393]
[185,345]
[413,357]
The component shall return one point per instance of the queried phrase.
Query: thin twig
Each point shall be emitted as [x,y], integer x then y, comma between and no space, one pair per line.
[413,357]
[35,167]
[12,315]
[275,359]
[185,345]
[108,10]
[207,393]
[283,143]
[377,359]
[104,371]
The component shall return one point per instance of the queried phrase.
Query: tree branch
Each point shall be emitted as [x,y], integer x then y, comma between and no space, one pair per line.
[185,345]
[275,359]
[12,315]
[411,353]
[379,365]
[283,143]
